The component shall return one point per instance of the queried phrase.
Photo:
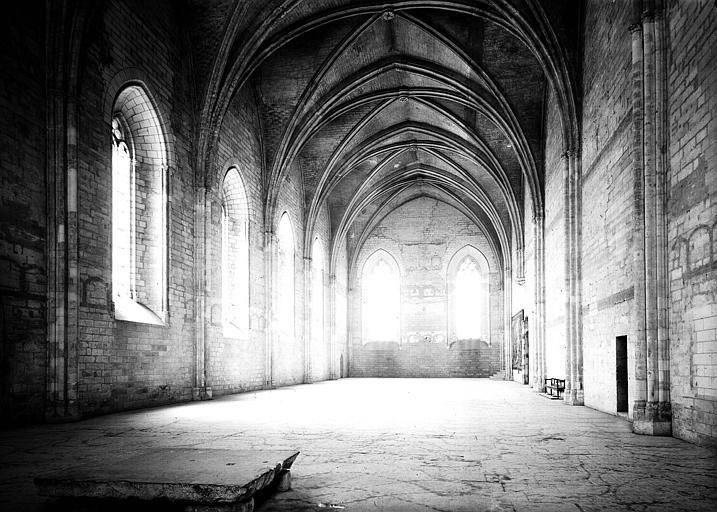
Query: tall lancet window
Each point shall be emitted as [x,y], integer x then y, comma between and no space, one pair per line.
[317,293]
[139,209]
[285,278]
[235,256]
[381,298]
[468,296]
[122,214]
[468,300]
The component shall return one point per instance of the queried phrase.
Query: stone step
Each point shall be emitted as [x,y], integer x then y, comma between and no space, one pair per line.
[202,479]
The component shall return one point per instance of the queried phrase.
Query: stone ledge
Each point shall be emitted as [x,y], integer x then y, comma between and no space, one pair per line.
[189,475]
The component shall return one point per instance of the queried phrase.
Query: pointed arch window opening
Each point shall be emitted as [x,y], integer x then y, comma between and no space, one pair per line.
[317,292]
[381,300]
[234,256]
[285,275]
[123,215]
[139,209]
[469,300]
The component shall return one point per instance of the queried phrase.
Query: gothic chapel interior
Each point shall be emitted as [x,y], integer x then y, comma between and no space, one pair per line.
[207,197]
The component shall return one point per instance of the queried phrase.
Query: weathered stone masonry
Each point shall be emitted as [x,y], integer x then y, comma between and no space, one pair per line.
[573,146]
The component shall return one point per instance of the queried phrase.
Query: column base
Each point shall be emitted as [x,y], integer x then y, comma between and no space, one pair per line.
[574,397]
[61,412]
[652,419]
[204,393]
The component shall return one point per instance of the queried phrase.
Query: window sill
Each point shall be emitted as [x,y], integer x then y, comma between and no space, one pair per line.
[127,310]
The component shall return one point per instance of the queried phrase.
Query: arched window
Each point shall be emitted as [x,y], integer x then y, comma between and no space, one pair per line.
[468,306]
[139,209]
[285,277]
[122,239]
[235,256]
[468,300]
[317,293]
[380,298]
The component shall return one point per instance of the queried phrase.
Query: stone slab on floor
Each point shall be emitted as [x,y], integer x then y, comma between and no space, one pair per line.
[190,475]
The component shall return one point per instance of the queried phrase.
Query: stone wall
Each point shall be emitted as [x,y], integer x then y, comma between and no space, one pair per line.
[692,218]
[129,364]
[238,364]
[555,292]
[608,201]
[422,236]
[23,262]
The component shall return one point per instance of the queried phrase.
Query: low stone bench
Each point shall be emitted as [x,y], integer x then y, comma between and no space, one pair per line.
[198,480]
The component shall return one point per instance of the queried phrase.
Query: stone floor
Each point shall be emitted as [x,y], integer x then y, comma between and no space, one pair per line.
[398,444]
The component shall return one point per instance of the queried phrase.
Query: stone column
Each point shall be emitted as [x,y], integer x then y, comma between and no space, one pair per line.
[539,297]
[62,379]
[333,374]
[572,195]
[507,314]
[308,342]
[270,257]
[201,256]
[574,393]
[651,407]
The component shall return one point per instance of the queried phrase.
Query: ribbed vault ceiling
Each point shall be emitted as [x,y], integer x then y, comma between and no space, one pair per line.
[377,104]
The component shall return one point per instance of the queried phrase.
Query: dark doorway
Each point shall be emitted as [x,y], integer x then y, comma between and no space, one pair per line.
[621,372]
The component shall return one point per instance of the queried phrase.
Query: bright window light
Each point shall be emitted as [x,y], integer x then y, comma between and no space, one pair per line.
[468,300]
[380,290]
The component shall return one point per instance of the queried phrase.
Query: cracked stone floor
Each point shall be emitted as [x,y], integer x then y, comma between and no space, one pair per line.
[397,444]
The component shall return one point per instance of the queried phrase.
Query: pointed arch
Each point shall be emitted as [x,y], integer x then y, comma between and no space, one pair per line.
[317,293]
[468,279]
[139,208]
[235,255]
[381,298]
[285,277]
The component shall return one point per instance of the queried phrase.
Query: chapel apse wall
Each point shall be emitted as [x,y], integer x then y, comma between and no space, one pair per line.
[423,235]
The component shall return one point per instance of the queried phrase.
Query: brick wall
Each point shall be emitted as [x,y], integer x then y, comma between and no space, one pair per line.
[422,236]
[342,335]
[288,354]
[238,363]
[555,295]
[607,199]
[320,348]
[22,215]
[127,364]
[692,214]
